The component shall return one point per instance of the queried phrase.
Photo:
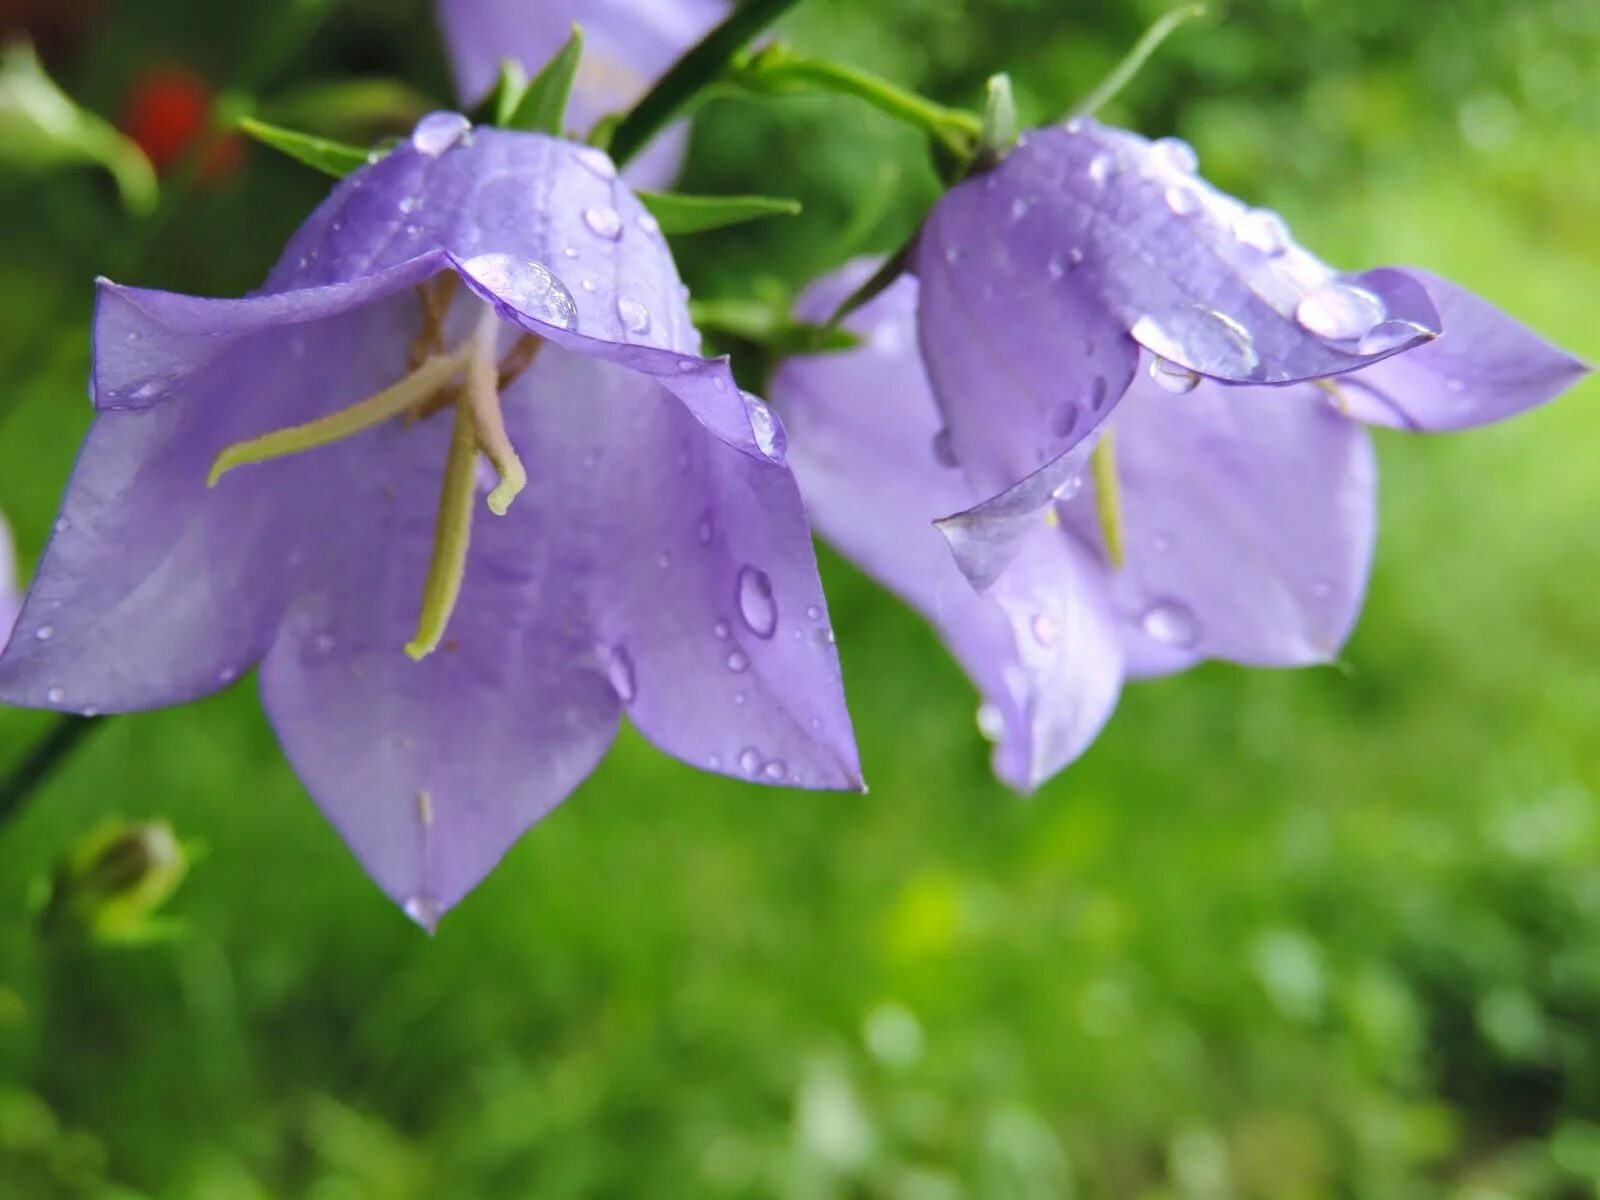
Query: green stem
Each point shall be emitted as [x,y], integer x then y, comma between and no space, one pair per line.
[1136,58]
[47,754]
[777,69]
[698,68]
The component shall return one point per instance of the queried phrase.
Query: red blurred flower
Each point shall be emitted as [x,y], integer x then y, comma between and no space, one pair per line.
[167,113]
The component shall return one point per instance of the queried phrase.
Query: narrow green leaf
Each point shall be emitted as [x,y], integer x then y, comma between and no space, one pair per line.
[543,106]
[329,157]
[508,91]
[768,325]
[696,214]
[999,117]
[41,129]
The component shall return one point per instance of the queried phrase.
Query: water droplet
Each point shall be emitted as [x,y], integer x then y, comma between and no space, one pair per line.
[952,255]
[587,285]
[424,910]
[1019,208]
[56,695]
[45,632]
[944,451]
[1339,311]
[757,606]
[525,286]
[648,223]
[603,222]
[991,723]
[227,674]
[1171,623]
[570,251]
[1262,230]
[738,661]
[769,435]
[635,317]
[1102,167]
[1070,487]
[1064,419]
[722,630]
[740,698]
[714,761]
[775,769]
[595,161]
[1170,377]
[1199,338]
[1175,154]
[813,612]
[687,366]
[706,530]
[439,131]
[1182,201]
[664,559]
[62,524]
[619,670]
[148,390]
[750,760]
[408,205]
[1390,335]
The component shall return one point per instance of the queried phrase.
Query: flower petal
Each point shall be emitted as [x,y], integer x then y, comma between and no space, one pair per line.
[1024,360]
[154,589]
[1485,367]
[431,770]
[1197,277]
[875,468]
[709,614]
[1249,517]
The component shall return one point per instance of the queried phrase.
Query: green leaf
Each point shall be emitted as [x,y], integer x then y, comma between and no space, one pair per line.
[696,214]
[508,90]
[41,129]
[329,157]
[355,109]
[768,325]
[999,117]
[543,106]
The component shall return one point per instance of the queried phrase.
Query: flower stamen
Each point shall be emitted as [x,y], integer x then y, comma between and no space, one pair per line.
[434,372]
[452,536]
[483,398]
[1108,498]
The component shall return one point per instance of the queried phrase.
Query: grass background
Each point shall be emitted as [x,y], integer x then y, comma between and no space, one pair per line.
[1314,934]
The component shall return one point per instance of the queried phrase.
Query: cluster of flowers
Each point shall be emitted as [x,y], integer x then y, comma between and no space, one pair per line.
[291,480]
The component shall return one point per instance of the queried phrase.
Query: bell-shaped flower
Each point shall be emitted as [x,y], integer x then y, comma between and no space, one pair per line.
[1046,279]
[457,479]
[1244,516]
[628,44]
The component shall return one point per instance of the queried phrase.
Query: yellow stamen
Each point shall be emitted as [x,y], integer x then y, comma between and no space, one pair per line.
[1108,497]
[483,396]
[452,535]
[415,388]
[435,297]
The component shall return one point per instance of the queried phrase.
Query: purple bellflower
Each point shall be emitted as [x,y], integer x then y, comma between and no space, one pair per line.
[1242,518]
[1045,279]
[627,45]
[476,315]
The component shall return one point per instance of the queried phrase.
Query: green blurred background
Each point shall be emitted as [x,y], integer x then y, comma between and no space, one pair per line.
[1328,933]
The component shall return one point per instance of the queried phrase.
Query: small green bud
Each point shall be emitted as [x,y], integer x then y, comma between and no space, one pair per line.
[114,880]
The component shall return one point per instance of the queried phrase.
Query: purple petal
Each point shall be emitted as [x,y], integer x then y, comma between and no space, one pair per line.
[867,445]
[627,45]
[1025,361]
[431,770]
[1249,516]
[1196,277]
[1483,368]
[156,588]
